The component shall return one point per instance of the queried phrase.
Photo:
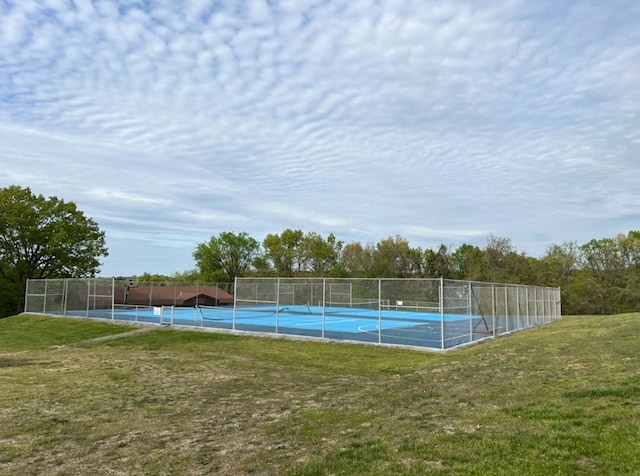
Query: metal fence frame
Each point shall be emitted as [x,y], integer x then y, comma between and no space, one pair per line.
[494,309]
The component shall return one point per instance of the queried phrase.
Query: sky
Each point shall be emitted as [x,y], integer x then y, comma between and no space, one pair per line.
[443,122]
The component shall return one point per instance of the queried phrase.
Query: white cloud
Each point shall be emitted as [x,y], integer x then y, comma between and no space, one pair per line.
[175,121]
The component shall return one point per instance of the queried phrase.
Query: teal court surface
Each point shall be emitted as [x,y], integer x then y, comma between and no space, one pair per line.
[389,326]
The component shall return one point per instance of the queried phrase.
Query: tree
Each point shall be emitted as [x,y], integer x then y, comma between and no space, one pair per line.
[392,258]
[466,261]
[494,259]
[226,256]
[320,255]
[284,252]
[612,266]
[438,263]
[561,266]
[356,261]
[43,238]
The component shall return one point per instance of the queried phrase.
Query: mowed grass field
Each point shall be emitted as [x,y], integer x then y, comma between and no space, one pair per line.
[81,397]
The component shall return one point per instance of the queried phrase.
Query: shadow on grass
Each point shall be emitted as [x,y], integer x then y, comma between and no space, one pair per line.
[8,362]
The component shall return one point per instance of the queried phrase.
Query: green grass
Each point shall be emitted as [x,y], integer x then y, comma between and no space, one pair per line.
[563,398]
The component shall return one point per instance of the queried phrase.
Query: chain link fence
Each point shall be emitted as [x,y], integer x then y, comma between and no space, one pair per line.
[431,313]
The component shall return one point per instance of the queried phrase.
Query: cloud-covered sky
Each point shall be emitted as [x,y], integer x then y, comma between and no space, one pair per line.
[169,121]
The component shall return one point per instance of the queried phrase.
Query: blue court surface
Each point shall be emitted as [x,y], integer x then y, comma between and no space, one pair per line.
[342,319]
[393,326]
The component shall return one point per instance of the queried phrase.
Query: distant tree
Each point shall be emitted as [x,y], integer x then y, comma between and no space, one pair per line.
[188,276]
[43,238]
[561,266]
[227,256]
[630,251]
[439,263]
[612,266]
[153,278]
[466,262]
[392,258]
[283,252]
[356,261]
[494,257]
[321,256]
[563,262]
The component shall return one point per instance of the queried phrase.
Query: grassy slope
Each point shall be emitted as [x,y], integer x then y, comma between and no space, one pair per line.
[559,399]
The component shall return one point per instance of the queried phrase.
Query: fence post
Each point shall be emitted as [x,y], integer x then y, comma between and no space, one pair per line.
[468,288]
[235,302]
[379,311]
[65,296]
[44,301]
[324,300]
[113,298]
[518,307]
[441,299]
[278,302]
[88,297]
[493,308]
[506,308]
[526,297]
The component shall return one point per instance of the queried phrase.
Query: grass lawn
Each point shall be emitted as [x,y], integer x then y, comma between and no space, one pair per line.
[82,397]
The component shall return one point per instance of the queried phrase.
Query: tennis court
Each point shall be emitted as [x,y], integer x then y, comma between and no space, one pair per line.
[343,323]
[433,313]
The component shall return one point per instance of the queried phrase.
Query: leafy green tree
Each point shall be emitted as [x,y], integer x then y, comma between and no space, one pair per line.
[494,257]
[466,262]
[43,238]
[630,250]
[392,258]
[153,278]
[612,265]
[439,263]
[188,276]
[356,261]
[603,263]
[561,266]
[283,252]
[321,257]
[226,256]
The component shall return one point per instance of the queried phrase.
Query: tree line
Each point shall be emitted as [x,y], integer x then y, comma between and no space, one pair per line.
[50,238]
[598,277]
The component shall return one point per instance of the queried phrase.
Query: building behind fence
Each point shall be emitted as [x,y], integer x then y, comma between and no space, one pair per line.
[432,313]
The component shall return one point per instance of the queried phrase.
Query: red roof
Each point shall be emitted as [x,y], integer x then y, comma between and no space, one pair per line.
[188,295]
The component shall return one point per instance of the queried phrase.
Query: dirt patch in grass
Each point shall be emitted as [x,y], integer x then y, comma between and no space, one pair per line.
[122,335]
[166,402]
